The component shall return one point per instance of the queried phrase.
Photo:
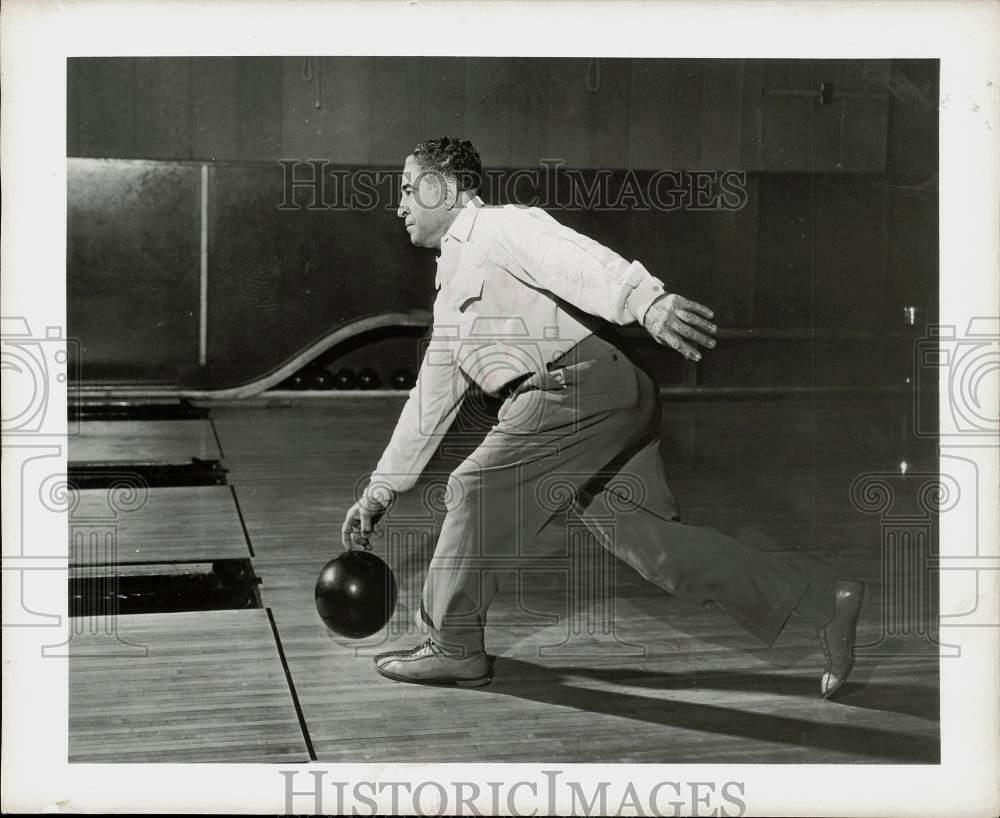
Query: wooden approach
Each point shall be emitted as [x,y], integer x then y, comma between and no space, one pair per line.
[184,687]
[626,675]
[619,673]
[160,525]
[153,441]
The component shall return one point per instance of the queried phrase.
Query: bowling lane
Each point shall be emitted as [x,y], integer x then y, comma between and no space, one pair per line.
[166,525]
[138,441]
[180,687]
[670,681]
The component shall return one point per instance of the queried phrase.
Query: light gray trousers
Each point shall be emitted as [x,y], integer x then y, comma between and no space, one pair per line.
[584,439]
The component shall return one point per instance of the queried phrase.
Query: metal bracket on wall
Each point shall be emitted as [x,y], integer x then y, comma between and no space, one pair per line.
[594,75]
[308,74]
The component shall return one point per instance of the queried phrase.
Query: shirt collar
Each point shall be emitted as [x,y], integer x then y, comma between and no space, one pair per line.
[459,231]
[461,228]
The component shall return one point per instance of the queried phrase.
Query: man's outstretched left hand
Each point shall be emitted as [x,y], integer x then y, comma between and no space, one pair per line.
[681,323]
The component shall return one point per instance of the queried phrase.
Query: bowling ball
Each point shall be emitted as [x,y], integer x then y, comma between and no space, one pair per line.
[345,379]
[368,379]
[355,594]
[297,381]
[319,378]
[402,378]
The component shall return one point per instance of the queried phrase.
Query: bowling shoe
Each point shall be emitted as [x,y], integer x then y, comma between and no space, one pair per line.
[838,636]
[429,664]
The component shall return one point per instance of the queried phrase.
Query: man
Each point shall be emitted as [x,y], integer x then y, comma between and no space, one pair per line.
[520,311]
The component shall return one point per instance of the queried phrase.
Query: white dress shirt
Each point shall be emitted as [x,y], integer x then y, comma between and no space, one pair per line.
[504,279]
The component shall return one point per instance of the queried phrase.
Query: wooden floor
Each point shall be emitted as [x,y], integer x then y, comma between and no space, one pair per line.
[143,441]
[180,687]
[673,682]
[169,525]
[625,674]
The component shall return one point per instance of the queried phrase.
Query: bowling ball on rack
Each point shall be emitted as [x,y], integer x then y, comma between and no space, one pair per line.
[356,594]
[345,379]
[319,378]
[402,378]
[369,379]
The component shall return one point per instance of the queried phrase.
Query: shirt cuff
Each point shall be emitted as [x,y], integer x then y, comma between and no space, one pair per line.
[379,494]
[644,294]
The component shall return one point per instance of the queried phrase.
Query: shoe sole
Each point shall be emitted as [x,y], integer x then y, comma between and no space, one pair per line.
[861,601]
[482,681]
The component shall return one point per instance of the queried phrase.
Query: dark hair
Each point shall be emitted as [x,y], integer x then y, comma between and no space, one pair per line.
[452,157]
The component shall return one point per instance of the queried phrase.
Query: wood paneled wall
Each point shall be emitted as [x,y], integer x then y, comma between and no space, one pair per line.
[610,113]
[835,253]
[841,247]
[132,283]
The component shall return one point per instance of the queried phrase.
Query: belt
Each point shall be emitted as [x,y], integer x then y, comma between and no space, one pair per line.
[590,348]
[511,386]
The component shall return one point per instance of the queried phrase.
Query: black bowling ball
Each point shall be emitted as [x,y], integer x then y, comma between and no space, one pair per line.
[402,378]
[319,378]
[356,594]
[369,379]
[345,379]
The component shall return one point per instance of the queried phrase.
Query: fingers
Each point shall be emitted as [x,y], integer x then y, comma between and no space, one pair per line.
[674,341]
[688,351]
[347,529]
[680,323]
[690,332]
[358,538]
[697,321]
[694,306]
[367,523]
[357,529]
[675,334]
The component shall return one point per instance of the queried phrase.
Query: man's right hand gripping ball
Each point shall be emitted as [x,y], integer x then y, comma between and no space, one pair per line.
[363,517]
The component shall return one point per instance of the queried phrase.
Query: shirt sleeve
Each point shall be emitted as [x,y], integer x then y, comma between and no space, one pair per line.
[429,411]
[575,268]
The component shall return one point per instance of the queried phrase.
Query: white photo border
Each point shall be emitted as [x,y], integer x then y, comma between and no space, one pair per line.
[38,36]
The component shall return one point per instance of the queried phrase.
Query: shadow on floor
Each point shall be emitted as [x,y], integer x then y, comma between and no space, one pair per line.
[531,682]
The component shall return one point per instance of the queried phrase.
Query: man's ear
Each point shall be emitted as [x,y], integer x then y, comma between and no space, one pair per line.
[451,194]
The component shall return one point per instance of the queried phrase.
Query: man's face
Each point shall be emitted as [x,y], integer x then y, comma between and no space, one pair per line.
[426,204]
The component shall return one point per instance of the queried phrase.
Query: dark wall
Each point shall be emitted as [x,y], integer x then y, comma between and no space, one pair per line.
[283,278]
[606,113]
[837,252]
[132,286]
[832,254]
